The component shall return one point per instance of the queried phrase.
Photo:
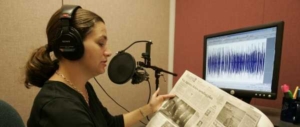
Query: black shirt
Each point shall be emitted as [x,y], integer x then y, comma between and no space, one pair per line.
[58,105]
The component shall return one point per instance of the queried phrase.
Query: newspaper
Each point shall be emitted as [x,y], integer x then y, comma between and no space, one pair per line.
[200,104]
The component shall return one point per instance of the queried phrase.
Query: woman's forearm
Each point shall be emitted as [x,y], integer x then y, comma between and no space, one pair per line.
[136,115]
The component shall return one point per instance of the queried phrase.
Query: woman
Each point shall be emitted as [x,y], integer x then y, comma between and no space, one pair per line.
[78,38]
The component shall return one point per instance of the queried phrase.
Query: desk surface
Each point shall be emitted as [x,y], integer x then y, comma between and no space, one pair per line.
[274,115]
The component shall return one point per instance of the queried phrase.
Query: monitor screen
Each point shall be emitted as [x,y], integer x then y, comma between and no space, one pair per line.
[245,62]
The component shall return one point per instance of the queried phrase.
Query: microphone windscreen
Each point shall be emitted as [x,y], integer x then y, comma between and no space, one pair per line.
[121,68]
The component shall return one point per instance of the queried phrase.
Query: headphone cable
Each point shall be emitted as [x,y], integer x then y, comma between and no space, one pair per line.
[115,100]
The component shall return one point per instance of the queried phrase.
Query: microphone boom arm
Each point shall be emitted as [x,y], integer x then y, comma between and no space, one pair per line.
[156,68]
[157,72]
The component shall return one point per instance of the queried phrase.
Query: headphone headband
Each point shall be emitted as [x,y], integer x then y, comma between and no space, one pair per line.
[68,11]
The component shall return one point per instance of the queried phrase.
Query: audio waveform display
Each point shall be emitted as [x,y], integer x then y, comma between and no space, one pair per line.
[239,62]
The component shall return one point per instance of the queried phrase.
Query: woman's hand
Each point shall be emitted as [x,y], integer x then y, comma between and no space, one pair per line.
[156,100]
[138,114]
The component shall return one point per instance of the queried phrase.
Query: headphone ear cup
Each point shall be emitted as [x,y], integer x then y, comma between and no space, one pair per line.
[69,45]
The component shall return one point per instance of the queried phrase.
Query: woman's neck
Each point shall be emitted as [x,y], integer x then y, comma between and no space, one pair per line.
[73,75]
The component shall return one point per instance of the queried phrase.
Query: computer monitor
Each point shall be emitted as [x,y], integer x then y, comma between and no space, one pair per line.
[245,62]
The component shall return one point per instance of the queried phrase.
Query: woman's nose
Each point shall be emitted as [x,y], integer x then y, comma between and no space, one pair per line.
[107,53]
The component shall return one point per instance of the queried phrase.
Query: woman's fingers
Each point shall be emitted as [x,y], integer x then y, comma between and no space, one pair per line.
[156,93]
[164,97]
[167,96]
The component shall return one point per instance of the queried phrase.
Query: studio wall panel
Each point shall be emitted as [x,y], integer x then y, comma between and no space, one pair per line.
[23,25]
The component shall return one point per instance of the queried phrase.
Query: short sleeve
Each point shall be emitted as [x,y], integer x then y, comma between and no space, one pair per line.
[61,112]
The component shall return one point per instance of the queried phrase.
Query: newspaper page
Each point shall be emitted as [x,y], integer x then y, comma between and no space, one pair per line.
[200,104]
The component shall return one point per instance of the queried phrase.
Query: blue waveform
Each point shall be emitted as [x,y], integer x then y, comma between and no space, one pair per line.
[231,60]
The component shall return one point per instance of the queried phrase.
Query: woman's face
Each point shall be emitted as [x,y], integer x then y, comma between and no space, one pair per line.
[96,52]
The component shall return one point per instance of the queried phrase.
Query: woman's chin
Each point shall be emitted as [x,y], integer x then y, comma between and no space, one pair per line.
[101,71]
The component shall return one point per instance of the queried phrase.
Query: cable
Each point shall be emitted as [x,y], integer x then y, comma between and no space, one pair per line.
[110,96]
[149,96]
[149,91]
[133,44]
[113,99]
[147,79]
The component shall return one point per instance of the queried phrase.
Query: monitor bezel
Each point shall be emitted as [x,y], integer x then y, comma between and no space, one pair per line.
[278,48]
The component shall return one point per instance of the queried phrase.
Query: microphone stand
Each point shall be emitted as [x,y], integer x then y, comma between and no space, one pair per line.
[157,72]
[147,64]
[147,61]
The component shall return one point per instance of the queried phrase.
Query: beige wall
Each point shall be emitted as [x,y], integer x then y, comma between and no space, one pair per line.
[23,30]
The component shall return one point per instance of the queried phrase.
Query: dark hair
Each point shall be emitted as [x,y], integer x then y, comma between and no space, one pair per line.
[40,67]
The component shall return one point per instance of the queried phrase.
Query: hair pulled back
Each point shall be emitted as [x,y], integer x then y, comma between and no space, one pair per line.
[40,67]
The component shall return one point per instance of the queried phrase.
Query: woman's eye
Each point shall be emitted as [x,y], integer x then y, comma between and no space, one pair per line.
[101,44]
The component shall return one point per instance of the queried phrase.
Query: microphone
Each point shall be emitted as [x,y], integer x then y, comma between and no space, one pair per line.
[139,75]
[123,67]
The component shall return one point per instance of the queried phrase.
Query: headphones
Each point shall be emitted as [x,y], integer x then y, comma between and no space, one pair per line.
[69,43]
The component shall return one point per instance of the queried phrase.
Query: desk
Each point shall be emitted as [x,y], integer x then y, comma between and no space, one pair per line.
[274,115]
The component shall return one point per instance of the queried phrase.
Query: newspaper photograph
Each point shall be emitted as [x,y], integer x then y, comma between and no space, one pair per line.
[200,104]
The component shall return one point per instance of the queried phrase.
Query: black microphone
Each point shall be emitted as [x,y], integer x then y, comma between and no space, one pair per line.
[139,75]
[123,67]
